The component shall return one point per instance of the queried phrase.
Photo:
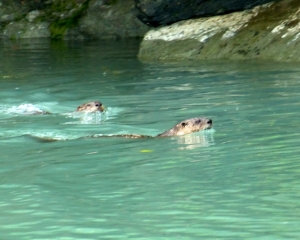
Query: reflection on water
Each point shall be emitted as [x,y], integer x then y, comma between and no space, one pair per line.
[190,141]
[238,180]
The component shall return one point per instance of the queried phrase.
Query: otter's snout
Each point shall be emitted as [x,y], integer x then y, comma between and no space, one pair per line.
[100,106]
[208,123]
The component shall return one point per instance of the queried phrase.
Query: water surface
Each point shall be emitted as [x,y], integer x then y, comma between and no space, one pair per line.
[237,181]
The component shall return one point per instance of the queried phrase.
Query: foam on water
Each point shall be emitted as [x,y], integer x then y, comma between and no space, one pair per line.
[27,114]
[25,109]
[94,117]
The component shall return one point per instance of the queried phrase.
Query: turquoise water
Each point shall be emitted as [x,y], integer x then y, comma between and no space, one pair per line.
[237,181]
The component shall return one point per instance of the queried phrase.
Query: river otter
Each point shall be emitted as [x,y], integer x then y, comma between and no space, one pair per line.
[188,126]
[184,127]
[30,109]
[91,107]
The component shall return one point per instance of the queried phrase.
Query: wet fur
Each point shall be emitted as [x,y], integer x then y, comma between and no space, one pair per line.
[188,126]
[94,106]
[184,127]
[91,107]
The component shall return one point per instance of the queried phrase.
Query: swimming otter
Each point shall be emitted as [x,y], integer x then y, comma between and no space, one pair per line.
[188,126]
[30,109]
[91,107]
[184,127]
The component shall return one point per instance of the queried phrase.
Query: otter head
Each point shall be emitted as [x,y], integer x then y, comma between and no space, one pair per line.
[188,126]
[193,125]
[91,107]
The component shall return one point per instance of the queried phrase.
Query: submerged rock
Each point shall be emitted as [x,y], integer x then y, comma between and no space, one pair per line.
[262,32]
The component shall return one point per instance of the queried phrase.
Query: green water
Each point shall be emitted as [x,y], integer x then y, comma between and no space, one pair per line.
[237,181]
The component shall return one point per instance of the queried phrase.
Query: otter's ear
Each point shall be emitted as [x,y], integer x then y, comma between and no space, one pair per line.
[184,124]
[78,108]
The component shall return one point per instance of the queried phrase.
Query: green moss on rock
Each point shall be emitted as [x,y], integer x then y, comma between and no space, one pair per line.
[64,14]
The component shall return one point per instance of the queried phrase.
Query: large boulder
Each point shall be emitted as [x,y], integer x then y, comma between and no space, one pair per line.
[164,12]
[270,31]
[24,29]
[69,19]
[111,19]
[28,27]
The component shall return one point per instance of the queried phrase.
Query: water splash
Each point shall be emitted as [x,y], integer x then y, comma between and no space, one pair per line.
[25,109]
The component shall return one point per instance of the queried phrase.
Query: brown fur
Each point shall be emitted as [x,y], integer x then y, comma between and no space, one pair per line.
[91,107]
[184,127]
[188,126]
[86,107]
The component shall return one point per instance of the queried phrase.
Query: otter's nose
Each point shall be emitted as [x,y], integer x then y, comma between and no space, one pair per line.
[209,121]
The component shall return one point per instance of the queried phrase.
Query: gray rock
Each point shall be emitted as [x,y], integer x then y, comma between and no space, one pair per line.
[111,19]
[7,18]
[74,34]
[24,29]
[267,32]
[164,12]
[10,11]
[31,16]
[76,19]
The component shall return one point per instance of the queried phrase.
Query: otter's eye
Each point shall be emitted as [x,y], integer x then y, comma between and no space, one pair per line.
[88,105]
[184,124]
[198,121]
[97,105]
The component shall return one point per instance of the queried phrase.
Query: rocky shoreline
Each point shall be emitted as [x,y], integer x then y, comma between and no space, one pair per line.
[69,19]
[268,31]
